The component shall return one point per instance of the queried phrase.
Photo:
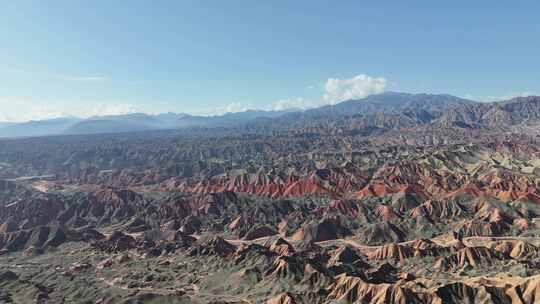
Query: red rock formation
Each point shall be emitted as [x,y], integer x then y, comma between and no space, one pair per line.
[285,298]
[391,251]
[282,247]
[259,232]
[354,290]
[469,256]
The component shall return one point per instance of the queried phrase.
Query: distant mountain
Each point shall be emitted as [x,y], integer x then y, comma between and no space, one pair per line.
[388,110]
[38,128]
[129,123]
[228,119]
[393,102]
[144,122]
[393,111]
[370,115]
[97,126]
[6,124]
[121,123]
[509,114]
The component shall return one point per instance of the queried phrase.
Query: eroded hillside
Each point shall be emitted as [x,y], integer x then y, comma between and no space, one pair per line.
[337,212]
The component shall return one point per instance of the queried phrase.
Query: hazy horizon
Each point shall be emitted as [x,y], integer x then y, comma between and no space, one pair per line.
[233,111]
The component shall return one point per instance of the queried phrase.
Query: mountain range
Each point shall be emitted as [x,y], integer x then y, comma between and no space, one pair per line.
[375,113]
[135,122]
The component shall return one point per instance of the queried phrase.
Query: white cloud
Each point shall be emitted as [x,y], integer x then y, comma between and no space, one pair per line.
[336,90]
[293,103]
[360,86]
[30,112]
[498,98]
[108,109]
[20,109]
[234,107]
[17,110]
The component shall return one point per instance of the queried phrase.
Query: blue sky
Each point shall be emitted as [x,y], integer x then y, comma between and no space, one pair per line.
[105,57]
